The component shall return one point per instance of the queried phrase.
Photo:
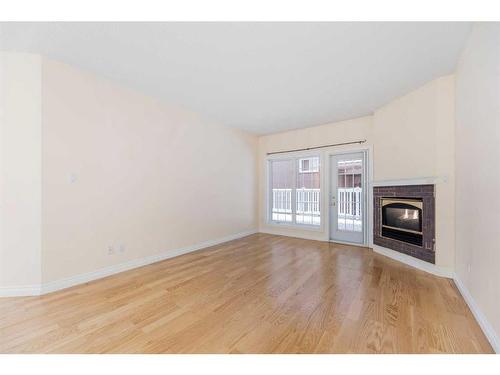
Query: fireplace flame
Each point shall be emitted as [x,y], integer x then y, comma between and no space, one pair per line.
[414,214]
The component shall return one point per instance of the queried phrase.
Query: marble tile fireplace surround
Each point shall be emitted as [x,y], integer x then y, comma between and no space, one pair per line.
[404,219]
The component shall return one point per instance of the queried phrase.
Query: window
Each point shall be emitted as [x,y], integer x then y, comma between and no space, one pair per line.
[309,165]
[282,183]
[295,193]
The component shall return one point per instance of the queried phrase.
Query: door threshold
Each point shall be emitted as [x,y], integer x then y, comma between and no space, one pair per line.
[350,243]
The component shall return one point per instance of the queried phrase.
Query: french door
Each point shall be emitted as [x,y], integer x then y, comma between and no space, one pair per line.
[348,197]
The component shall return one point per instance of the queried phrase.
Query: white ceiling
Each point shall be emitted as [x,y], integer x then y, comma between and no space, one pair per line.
[260,77]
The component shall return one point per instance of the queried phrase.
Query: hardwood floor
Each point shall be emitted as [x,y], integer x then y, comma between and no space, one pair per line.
[259,294]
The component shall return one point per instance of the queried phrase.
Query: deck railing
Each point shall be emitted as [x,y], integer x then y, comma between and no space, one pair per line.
[349,202]
[282,200]
[308,201]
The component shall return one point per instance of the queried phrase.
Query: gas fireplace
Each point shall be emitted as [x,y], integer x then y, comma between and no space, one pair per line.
[404,219]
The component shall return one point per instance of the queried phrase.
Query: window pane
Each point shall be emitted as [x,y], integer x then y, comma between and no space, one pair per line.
[305,164]
[349,195]
[282,183]
[308,207]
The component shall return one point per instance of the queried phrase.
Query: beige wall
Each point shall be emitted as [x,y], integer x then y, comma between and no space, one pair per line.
[148,176]
[413,137]
[408,127]
[20,170]
[410,137]
[478,170]
[86,164]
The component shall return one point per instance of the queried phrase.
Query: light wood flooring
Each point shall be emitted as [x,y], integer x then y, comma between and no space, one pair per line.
[259,294]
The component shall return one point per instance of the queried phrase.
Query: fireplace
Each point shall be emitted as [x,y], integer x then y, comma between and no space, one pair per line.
[404,219]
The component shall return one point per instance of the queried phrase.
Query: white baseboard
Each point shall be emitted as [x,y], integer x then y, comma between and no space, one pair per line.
[485,325]
[20,291]
[414,262]
[53,286]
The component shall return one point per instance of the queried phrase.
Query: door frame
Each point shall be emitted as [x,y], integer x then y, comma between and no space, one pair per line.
[368,196]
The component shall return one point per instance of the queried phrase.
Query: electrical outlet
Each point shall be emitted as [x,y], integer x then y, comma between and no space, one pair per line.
[111,250]
[121,248]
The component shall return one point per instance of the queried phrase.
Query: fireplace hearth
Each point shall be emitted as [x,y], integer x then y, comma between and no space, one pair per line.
[404,219]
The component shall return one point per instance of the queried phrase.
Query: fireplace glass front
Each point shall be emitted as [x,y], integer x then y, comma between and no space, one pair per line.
[402,219]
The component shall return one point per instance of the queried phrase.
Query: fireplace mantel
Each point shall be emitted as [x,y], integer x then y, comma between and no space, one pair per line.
[410,181]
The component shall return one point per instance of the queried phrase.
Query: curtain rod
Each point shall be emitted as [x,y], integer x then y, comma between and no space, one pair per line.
[313,148]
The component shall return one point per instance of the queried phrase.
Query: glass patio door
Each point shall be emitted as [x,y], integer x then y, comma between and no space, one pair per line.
[347,197]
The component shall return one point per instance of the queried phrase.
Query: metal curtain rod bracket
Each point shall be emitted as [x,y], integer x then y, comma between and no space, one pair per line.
[313,148]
